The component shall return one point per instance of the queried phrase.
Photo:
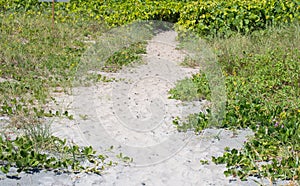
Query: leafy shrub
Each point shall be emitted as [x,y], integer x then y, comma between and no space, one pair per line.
[218,17]
[209,17]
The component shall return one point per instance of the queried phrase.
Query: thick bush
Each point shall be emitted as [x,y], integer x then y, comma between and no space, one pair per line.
[209,17]
[219,17]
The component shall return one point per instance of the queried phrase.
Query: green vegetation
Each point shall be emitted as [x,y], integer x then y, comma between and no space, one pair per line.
[205,17]
[259,56]
[220,18]
[34,62]
[125,57]
[51,153]
[37,59]
[196,88]
[263,88]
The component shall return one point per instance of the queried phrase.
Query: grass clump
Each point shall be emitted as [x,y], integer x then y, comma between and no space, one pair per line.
[126,56]
[191,89]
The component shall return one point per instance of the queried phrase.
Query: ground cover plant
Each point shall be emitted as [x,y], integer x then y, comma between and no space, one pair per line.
[261,65]
[36,60]
[28,154]
[263,93]
[262,79]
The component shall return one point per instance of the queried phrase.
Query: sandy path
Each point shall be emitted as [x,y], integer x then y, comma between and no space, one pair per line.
[135,116]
